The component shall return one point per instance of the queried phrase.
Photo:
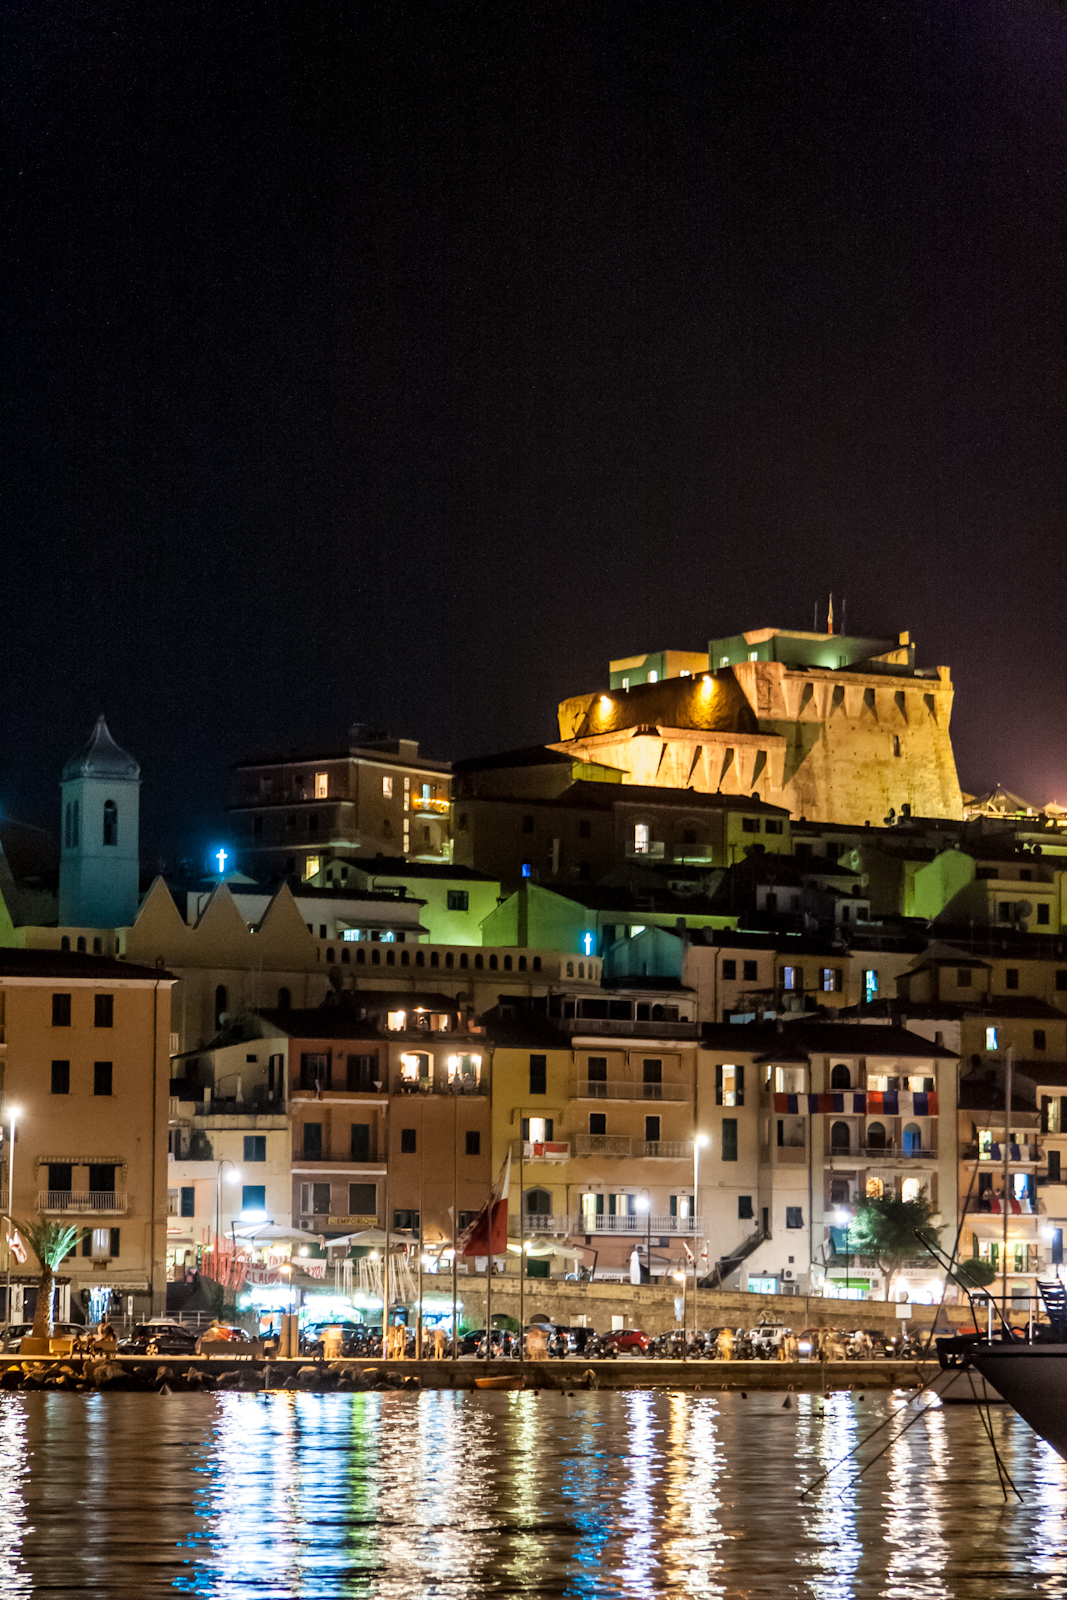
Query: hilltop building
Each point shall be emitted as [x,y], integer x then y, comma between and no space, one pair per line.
[99,868]
[834,728]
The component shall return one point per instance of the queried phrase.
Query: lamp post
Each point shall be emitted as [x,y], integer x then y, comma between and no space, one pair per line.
[644,1203]
[13,1119]
[700,1142]
[845,1221]
[235,1177]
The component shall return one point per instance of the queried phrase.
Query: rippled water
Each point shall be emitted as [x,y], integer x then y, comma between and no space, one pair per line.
[463,1495]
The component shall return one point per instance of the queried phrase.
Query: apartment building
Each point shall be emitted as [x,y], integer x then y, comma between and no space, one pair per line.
[84,1051]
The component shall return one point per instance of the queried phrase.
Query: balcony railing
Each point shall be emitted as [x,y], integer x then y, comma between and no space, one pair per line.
[603,1144]
[665,1149]
[429,806]
[538,1223]
[301,1157]
[96,1201]
[636,1223]
[624,1027]
[882,1152]
[623,1089]
[238,1108]
[1018,1154]
[440,1085]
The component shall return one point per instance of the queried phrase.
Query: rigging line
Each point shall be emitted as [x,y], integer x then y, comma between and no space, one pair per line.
[890,1445]
[987,1422]
[869,1436]
[951,1259]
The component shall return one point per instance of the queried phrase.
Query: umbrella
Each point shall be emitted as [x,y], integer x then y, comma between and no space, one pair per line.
[264,1232]
[558,1250]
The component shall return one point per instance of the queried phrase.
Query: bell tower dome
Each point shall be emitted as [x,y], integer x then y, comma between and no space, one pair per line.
[99,867]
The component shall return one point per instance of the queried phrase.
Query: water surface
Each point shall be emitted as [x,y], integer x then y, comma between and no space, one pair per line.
[464,1495]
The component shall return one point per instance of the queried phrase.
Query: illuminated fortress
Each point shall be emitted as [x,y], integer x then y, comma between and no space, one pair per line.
[838,729]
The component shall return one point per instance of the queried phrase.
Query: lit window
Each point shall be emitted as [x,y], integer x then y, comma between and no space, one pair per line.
[396,1021]
[626,685]
[351,935]
[526,869]
[870,984]
[789,978]
[311,866]
[753,655]
[724,661]
[991,1039]
[538,1127]
[387,788]
[653,677]
[909,1189]
[322,786]
[685,673]
[641,838]
[638,927]
[101,1241]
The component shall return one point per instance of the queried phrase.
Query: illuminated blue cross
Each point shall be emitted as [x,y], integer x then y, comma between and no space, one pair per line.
[221,858]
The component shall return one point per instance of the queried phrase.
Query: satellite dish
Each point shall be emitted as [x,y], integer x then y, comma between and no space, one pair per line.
[1023,909]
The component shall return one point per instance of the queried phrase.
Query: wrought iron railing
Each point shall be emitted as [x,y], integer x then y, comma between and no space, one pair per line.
[82,1200]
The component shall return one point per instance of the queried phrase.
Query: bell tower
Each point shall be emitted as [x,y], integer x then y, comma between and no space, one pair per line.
[99,867]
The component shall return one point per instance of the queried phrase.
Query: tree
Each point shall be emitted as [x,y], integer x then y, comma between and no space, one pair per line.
[975,1273]
[51,1243]
[886,1229]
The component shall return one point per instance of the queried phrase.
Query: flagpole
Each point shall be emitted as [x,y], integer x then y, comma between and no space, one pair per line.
[522,1248]
[489,1284]
[455,1218]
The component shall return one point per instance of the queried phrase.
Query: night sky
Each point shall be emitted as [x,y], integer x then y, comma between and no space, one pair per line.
[404,363]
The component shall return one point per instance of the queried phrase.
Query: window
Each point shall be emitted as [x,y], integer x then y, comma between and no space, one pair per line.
[101,1178]
[729,1138]
[61,1011]
[653,676]
[641,838]
[1054,1166]
[59,1176]
[458,899]
[311,866]
[315,1199]
[745,1212]
[652,1130]
[111,822]
[387,788]
[313,1141]
[253,1198]
[527,824]
[794,1217]
[538,1074]
[772,825]
[60,1077]
[360,1141]
[991,1036]
[1039,1038]
[407,1141]
[255,1147]
[792,979]
[314,1070]
[749,824]
[1011,977]
[537,1130]
[362,1199]
[840,1137]
[102,1077]
[870,985]
[284,999]
[876,1136]
[729,970]
[830,979]
[220,1004]
[188,1201]
[100,1241]
[729,1085]
[322,786]
[585,829]
[896,744]
[103,1011]
[473,1142]
[840,1077]
[750,971]
[598,1122]
[406,1221]
[963,977]
[1043,914]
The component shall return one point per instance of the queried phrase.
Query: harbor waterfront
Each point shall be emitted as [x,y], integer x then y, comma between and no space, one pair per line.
[467,1495]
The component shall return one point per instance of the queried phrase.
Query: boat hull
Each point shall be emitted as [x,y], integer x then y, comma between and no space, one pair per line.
[1033,1380]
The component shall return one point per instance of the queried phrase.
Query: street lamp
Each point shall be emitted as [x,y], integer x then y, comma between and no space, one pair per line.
[235,1177]
[644,1203]
[13,1116]
[844,1221]
[700,1142]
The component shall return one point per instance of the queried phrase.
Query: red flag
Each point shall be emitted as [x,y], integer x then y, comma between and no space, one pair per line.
[481,1239]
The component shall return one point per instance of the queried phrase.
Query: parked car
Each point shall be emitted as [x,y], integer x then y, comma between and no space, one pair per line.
[160,1337]
[626,1342]
[766,1339]
[11,1336]
[223,1333]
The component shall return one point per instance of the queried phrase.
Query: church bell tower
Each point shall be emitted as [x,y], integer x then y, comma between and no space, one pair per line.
[99,868]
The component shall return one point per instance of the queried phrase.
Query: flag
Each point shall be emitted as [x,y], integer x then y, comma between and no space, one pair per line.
[16,1246]
[484,1237]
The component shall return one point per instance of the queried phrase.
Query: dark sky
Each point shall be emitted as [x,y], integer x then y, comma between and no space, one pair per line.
[406,362]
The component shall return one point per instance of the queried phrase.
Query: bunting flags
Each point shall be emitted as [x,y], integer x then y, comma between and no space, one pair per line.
[875,1103]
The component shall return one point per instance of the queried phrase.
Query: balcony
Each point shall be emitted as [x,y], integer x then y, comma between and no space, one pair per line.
[638,1225]
[880,1153]
[1020,1155]
[429,807]
[538,1224]
[665,1149]
[440,1085]
[624,1089]
[540,1150]
[95,1202]
[603,1144]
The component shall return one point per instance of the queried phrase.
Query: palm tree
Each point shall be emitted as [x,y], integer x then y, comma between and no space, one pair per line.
[51,1244]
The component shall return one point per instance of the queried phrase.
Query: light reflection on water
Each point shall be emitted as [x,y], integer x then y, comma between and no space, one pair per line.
[460,1496]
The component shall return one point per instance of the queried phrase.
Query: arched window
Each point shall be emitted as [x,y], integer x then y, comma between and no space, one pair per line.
[493,963]
[570,969]
[97,947]
[909,1189]
[840,1137]
[81,942]
[64,943]
[329,953]
[420,959]
[839,1191]
[435,958]
[75,824]
[111,822]
[376,957]
[405,959]
[220,1004]
[581,969]
[840,1077]
[538,1203]
[390,958]
[285,999]
[875,1188]
[66,825]
[450,959]
[361,956]
[876,1136]
[913,1139]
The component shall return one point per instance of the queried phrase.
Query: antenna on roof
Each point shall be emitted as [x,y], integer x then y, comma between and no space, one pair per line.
[843,604]
[815,619]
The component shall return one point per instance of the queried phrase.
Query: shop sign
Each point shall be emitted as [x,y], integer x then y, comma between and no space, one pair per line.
[352,1222]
